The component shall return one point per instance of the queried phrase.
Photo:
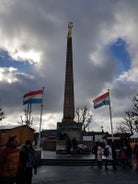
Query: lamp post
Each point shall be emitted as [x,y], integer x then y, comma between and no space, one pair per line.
[102,132]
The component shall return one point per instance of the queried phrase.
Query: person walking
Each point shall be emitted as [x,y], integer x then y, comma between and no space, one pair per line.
[99,156]
[27,164]
[123,156]
[129,155]
[74,145]
[136,156]
[68,146]
[94,151]
[114,156]
[9,161]
[108,155]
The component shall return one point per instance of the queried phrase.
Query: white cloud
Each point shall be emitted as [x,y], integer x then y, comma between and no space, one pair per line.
[8,75]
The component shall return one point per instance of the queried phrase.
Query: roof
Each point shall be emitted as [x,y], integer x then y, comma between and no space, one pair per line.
[93,133]
[120,135]
[9,127]
[5,127]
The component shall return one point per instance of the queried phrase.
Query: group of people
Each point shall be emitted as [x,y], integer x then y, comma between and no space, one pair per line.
[108,152]
[17,164]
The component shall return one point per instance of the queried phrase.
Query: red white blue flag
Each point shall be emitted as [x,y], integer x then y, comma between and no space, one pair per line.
[101,100]
[33,97]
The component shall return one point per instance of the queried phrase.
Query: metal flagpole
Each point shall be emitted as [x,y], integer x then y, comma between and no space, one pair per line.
[110,112]
[41,113]
[28,119]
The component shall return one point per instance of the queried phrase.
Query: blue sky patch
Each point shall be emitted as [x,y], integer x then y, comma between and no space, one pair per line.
[120,52]
[7,61]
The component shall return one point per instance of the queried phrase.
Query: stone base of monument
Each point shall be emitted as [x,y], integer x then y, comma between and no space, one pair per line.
[61,147]
[81,148]
[69,129]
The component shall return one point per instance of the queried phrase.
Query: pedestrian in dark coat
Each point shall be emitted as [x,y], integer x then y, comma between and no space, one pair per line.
[68,146]
[94,151]
[114,155]
[99,156]
[136,156]
[27,164]
[74,145]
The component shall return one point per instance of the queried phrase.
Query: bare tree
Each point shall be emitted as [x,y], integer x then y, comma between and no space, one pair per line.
[130,123]
[135,113]
[121,129]
[28,119]
[1,114]
[127,124]
[84,116]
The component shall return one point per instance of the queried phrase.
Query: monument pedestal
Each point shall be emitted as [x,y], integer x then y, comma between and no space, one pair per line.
[69,129]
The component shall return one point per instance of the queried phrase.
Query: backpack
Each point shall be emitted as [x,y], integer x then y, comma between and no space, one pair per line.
[106,152]
[123,154]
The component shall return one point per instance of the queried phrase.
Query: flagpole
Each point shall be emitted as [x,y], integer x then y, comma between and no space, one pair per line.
[29,119]
[41,114]
[110,112]
[26,129]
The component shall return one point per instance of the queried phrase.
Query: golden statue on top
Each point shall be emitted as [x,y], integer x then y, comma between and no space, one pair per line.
[70,26]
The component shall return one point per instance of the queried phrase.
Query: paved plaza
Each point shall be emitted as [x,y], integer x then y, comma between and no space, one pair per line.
[83,174]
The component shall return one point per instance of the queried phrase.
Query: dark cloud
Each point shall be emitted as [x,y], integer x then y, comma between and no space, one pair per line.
[40,27]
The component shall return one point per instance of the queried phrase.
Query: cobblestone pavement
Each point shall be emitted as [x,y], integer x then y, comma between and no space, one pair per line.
[84,175]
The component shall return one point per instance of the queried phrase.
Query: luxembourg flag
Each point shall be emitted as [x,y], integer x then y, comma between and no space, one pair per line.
[101,100]
[33,97]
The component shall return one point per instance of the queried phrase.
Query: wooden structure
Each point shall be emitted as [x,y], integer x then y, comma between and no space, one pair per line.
[22,132]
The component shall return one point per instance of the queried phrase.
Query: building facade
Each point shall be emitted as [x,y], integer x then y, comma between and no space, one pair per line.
[22,132]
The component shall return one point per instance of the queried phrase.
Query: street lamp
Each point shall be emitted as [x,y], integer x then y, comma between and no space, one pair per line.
[102,132]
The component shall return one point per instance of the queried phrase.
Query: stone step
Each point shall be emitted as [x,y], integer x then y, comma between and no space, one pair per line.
[71,162]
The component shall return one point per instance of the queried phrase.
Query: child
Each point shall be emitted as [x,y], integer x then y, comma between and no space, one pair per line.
[99,156]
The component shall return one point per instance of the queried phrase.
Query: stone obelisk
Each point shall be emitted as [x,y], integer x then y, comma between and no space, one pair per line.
[68,127]
[68,110]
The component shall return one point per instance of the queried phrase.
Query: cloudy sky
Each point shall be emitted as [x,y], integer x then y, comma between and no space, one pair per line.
[33,54]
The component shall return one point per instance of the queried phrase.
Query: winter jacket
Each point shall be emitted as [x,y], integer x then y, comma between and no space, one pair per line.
[99,153]
[109,157]
[27,158]
[9,161]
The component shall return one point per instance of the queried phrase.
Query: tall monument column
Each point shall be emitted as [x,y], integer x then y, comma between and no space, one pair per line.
[68,127]
[68,111]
